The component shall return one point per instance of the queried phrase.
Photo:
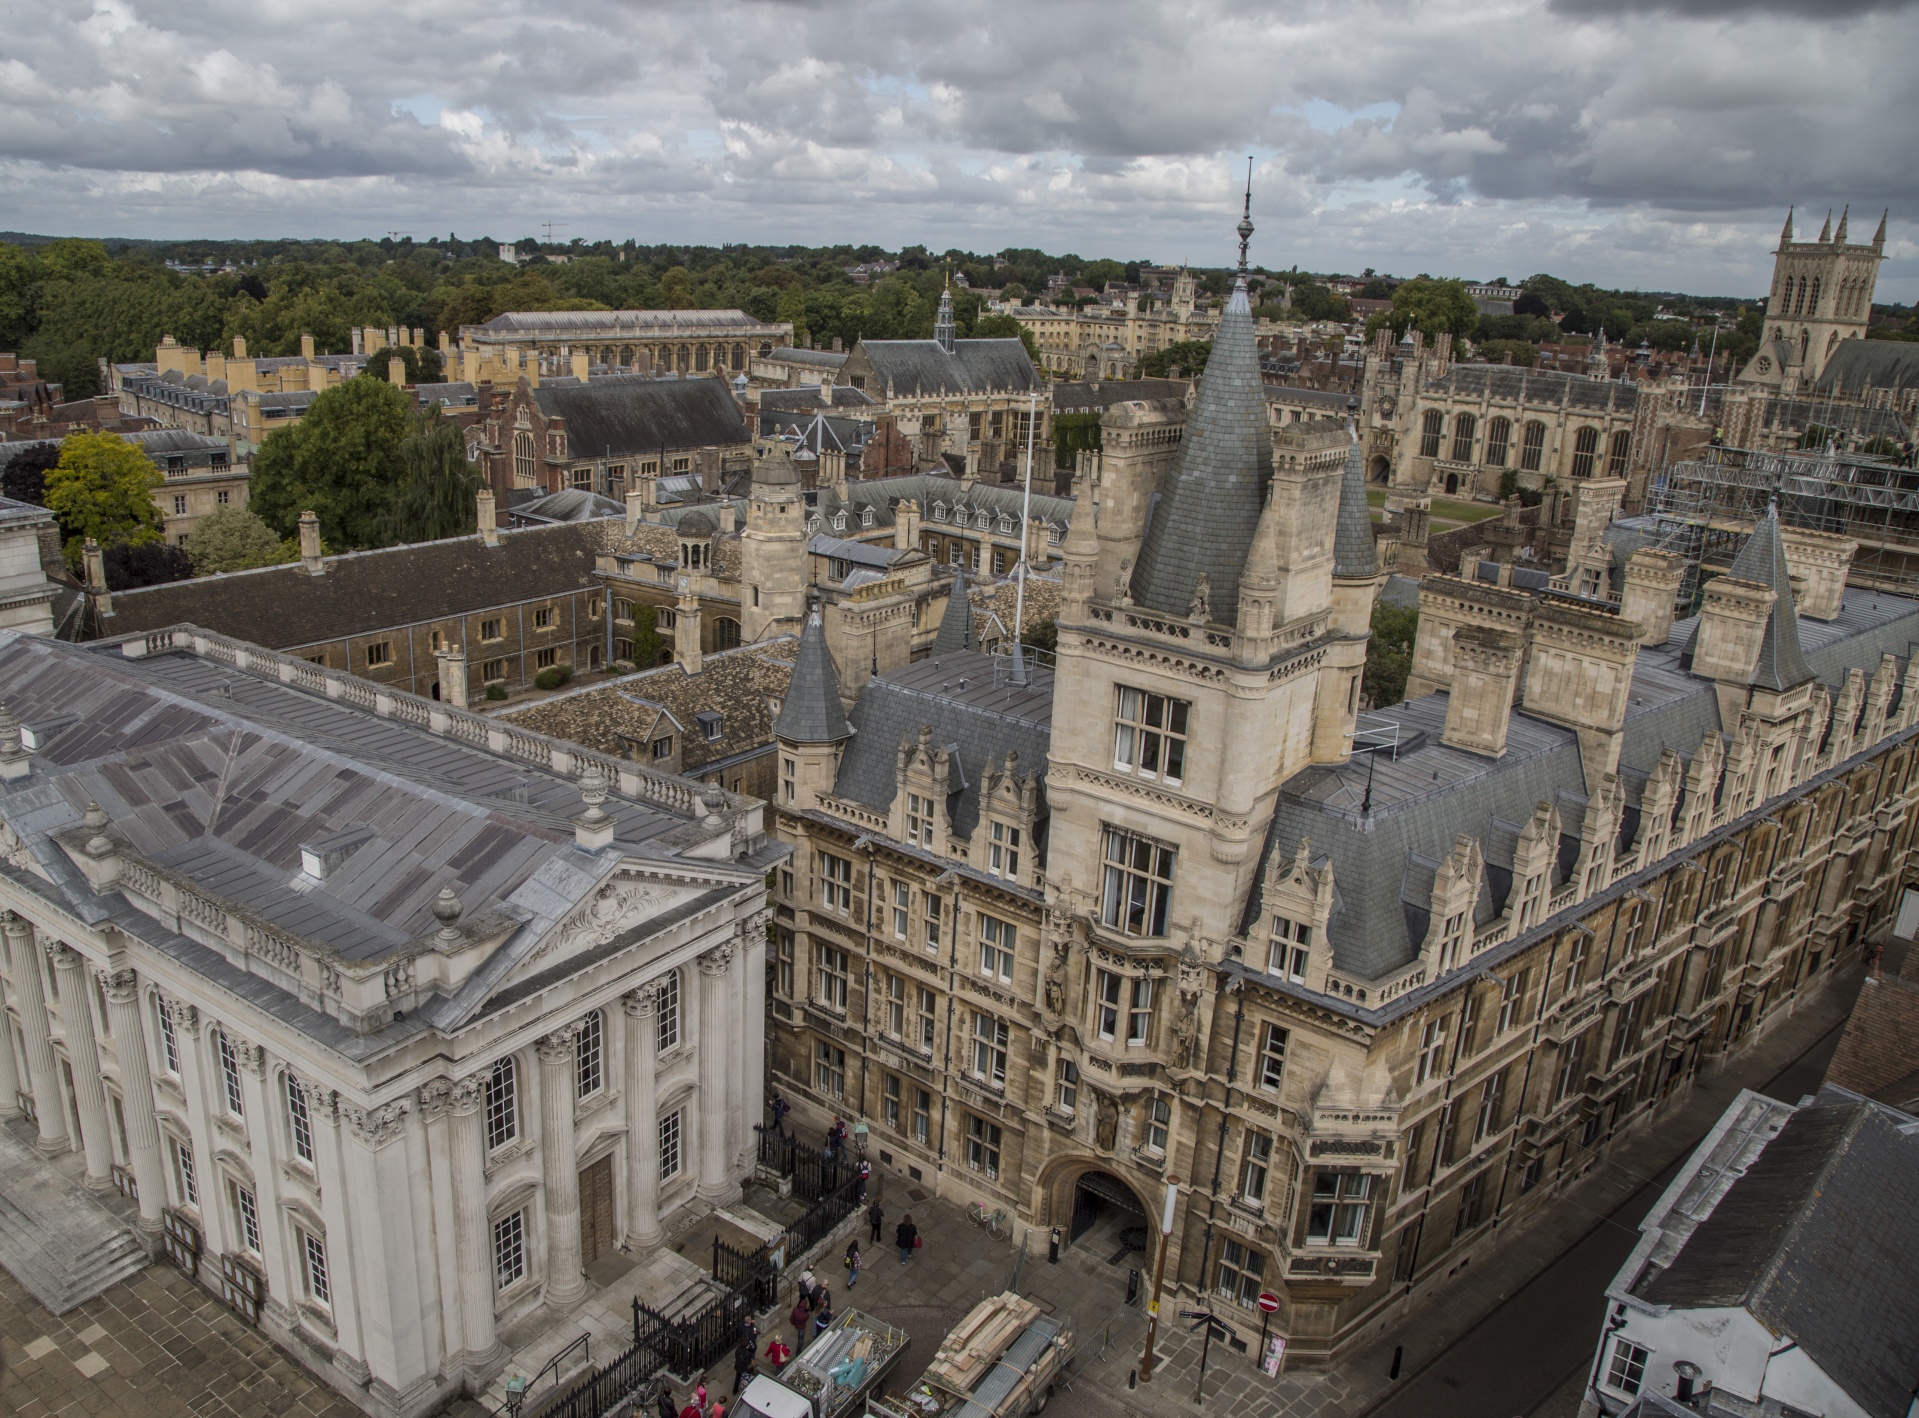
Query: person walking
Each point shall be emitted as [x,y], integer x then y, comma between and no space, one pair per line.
[906,1236]
[777,1353]
[718,1410]
[663,1404]
[780,1109]
[801,1319]
[866,1172]
[743,1356]
[875,1218]
[699,1393]
[809,1290]
[852,1261]
[823,1321]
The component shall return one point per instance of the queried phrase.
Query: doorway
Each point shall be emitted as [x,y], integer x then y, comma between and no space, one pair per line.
[1452,482]
[1108,1217]
[596,1209]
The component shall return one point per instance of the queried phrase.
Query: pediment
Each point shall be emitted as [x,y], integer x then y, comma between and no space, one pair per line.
[591,922]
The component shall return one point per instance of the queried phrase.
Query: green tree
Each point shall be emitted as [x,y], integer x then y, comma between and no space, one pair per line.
[676,289]
[792,307]
[24,476]
[422,365]
[1072,432]
[1389,654]
[1509,352]
[1006,327]
[1181,359]
[234,539]
[1312,301]
[342,461]
[1434,307]
[435,498]
[103,488]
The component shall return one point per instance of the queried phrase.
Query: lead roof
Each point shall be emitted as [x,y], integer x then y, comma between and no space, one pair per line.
[811,711]
[630,415]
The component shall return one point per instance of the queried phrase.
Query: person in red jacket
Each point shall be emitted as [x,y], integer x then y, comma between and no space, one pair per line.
[777,1353]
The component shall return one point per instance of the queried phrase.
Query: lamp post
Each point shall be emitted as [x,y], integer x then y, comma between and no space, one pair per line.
[1159,1278]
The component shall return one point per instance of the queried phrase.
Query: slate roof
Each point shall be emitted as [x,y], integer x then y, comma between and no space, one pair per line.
[956,622]
[629,414]
[1204,522]
[1503,383]
[1859,365]
[1816,1240]
[930,490]
[911,367]
[612,322]
[972,709]
[811,711]
[1102,394]
[1354,554]
[1878,1054]
[812,396]
[281,607]
[156,442]
[571,504]
[818,359]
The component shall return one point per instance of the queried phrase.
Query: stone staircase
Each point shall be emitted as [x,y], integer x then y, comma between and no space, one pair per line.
[58,1241]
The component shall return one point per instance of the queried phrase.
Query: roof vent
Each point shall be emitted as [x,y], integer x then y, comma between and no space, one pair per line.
[323,856]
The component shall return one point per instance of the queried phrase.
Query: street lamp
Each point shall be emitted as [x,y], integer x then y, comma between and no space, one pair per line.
[1159,1278]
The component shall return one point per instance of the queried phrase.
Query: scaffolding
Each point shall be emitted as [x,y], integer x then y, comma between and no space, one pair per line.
[1705,508]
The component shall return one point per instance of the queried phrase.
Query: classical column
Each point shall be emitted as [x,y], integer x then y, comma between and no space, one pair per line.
[714,1044]
[136,1098]
[642,1118]
[386,1263]
[559,1091]
[472,1236]
[434,1099]
[323,1107]
[83,1057]
[9,1070]
[753,1052]
[42,1073]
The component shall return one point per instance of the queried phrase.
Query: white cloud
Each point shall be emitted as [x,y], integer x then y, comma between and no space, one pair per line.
[1648,142]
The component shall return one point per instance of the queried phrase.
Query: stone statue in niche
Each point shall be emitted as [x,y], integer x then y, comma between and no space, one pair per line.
[1107,1114]
[1056,978]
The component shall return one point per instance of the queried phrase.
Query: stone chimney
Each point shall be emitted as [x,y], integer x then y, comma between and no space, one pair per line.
[93,567]
[216,366]
[1818,563]
[635,509]
[239,346]
[725,516]
[396,373]
[311,556]
[1652,582]
[489,522]
[1479,704]
[372,341]
[686,629]
[581,365]
[306,348]
[419,337]
[15,763]
[906,525]
[1732,628]
[470,366]
[1579,673]
[453,676]
[833,469]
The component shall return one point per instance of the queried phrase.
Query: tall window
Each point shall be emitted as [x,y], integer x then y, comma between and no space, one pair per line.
[982,1145]
[1289,949]
[672,1130]
[1464,426]
[589,1058]
[1240,1269]
[1491,1095]
[833,971]
[996,939]
[502,1104]
[783,944]
[169,1041]
[922,1115]
[919,820]
[509,1250]
[990,1039]
[1572,1056]
[1585,445]
[1499,437]
[1255,1162]
[1159,1122]
[1138,884]
[836,882]
[1139,1011]
[1472,1201]
[935,908]
[246,1216]
[524,474]
[890,1100]
[313,1272]
[829,1070]
[902,908]
[299,1120]
[1003,858]
[1431,429]
[929,1017]
[184,1180]
[1272,1056]
[1575,962]
[1149,739]
[896,1006]
[667,1007]
[1532,450]
[1066,1095]
[1618,453]
[1341,1201]
[230,1076]
[1512,1000]
[1432,1050]
[1626,1369]
[1106,996]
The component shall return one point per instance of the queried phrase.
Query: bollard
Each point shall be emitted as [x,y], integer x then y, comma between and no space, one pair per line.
[1132,1378]
[1052,1248]
[1132,1287]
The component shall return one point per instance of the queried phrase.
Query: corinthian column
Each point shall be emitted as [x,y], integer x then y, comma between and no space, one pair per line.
[83,1056]
[714,1045]
[9,1070]
[472,1236]
[559,1089]
[42,1075]
[642,1118]
[136,1097]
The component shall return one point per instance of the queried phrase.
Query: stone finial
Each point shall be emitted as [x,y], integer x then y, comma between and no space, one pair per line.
[14,760]
[311,557]
[593,829]
[713,800]
[447,909]
[94,819]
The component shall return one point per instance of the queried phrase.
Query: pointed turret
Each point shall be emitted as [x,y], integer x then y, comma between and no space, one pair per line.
[943,322]
[1354,555]
[1785,236]
[1719,649]
[811,711]
[1825,232]
[956,625]
[1879,236]
[1763,559]
[1839,236]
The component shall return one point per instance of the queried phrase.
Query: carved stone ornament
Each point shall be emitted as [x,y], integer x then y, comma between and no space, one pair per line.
[467,1094]
[14,850]
[435,1098]
[715,961]
[374,1128]
[1056,978]
[1185,1026]
[123,987]
[644,1002]
[1106,1134]
[614,909]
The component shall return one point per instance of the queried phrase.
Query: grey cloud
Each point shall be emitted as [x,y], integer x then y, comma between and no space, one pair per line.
[1725,9]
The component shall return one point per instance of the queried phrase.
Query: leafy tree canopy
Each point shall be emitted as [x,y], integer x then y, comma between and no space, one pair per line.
[1006,327]
[103,488]
[341,460]
[1433,308]
[24,478]
[1389,654]
[1183,359]
[235,539]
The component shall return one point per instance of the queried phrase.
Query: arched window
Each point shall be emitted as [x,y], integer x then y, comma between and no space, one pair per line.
[502,1104]
[1532,450]
[739,357]
[699,359]
[1812,301]
[626,356]
[1431,428]
[686,358]
[726,633]
[524,457]
[1464,426]
[1499,436]
[1585,445]
[1805,345]
[1621,450]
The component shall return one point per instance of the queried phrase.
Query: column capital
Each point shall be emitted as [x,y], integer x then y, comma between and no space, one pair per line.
[186,1017]
[466,1095]
[15,924]
[65,957]
[716,960]
[642,1003]
[435,1097]
[123,987]
[251,1057]
[558,1047]
[374,1128]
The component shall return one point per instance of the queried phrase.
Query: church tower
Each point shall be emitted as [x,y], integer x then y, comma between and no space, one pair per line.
[773,549]
[1821,295]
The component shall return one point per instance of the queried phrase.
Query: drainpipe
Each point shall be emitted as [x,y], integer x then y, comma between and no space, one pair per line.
[1219,1146]
[952,988]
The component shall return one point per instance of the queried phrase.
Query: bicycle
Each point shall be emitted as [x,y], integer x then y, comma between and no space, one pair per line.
[980,1216]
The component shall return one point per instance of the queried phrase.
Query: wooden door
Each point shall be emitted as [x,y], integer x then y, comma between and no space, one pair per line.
[596,1210]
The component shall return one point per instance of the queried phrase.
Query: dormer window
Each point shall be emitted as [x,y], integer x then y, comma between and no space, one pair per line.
[1005,523]
[1287,954]
[939,511]
[866,517]
[712,725]
[983,520]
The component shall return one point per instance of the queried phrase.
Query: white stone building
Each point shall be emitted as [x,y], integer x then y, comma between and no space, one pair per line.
[26,596]
[358,996]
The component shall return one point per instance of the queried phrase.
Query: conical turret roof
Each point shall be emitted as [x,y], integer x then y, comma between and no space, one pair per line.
[1354,555]
[956,625]
[1763,559]
[811,711]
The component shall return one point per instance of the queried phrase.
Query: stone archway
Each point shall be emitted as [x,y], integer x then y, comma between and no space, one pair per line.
[1381,471]
[1095,1207]
[1452,482]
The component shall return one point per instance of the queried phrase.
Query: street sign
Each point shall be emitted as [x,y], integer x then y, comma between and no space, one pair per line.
[1269,1302]
[1195,1314]
[1152,1308]
[1222,1330]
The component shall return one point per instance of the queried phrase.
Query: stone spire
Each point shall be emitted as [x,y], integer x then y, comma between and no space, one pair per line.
[956,625]
[1839,236]
[811,711]
[1825,232]
[1354,555]
[1785,237]
[1763,559]
[943,322]
[1879,236]
[1205,522]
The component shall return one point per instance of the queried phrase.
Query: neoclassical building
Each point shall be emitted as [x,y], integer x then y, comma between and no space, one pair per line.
[392,1018]
[628,341]
[1365,990]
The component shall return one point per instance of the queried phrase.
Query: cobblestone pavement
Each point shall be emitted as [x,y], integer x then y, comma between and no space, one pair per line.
[156,1346]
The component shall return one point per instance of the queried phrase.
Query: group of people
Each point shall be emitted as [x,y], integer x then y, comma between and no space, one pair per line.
[698,1403]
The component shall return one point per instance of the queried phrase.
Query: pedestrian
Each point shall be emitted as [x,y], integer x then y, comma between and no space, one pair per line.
[718,1410]
[743,1356]
[750,1332]
[809,1290]
[823,1321]
[906,1236]
[663,1403]
[692,1410]
[777,1353]
[876,1218]
[699,1393]
[866,1171]
[801,1319]
[780,1109]
[853,1262]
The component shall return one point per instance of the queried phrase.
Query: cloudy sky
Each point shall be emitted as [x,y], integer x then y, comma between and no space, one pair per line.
[1647,143]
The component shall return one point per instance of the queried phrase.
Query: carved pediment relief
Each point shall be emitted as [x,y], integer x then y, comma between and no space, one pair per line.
[14,851]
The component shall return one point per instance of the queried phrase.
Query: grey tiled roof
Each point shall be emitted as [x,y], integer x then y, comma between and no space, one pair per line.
[1859,365]
[611,323]
[819,359]
[629,414]
[811,711]
[1353,551]
[956,623]
[1816,1240]
[1204,523]
[909,367]
[1510,384]
[973,711]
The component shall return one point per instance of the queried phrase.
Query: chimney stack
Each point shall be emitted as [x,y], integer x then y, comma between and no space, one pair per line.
[239,346]
[906,525]
[94,563]
[635,509]
[489,522]
[581,365]
[1652,582]
[453,676]
[396,373]
[311,556]
[686,629]
[306,348]
[1479,704]
[1818,563]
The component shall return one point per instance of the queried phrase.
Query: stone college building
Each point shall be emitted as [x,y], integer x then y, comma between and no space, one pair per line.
[1365,986]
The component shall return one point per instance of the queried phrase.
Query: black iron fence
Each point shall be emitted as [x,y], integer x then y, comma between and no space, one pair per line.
[619,1379]
[814,1171]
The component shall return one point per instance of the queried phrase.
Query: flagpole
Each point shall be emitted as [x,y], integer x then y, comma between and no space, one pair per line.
[1025,520]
